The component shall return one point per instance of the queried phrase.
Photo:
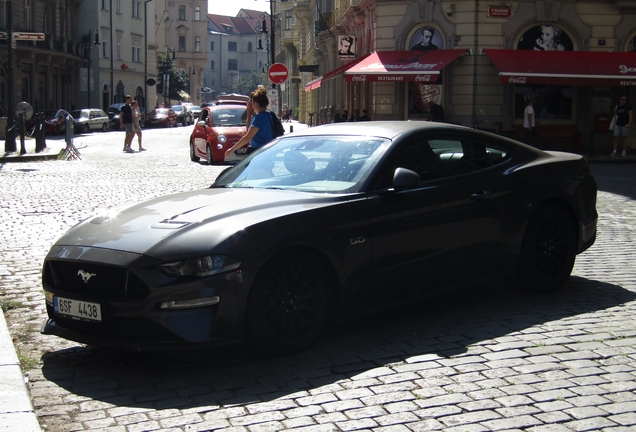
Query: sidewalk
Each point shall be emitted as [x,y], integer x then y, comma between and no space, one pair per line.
[16,410]
[53,148]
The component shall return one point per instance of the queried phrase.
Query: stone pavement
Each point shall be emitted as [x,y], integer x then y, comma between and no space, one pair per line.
[490,359]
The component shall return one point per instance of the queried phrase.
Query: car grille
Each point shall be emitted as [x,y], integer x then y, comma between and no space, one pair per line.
[87,278]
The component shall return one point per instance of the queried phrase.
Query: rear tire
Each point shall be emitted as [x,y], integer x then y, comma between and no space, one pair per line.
[549,250]
[105,127]
[289,305]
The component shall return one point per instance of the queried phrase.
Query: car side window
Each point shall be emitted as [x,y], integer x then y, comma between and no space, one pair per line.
[464,155]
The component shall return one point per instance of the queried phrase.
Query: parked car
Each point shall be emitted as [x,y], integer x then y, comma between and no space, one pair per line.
[87,120]
[218,129]
[113,113]
[320,225]
[185,116]
[161,117]
[55,121]
[195,110]
[232,99]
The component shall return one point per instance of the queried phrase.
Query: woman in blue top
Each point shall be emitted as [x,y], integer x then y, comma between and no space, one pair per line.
[261,129]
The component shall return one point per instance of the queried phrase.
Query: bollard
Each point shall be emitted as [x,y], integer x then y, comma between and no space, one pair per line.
[291,128]
[22,130]
[40,132]
[68,125]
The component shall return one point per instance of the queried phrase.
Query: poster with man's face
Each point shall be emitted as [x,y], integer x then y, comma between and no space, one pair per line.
[545,38]
[346,47]
[426,39]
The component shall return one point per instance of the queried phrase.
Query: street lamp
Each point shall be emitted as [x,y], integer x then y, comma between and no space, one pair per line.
[90,61]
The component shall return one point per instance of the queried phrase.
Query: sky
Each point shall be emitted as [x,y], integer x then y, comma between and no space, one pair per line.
[231,7]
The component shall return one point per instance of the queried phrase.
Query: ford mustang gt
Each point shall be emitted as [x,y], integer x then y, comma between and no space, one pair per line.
[317,226]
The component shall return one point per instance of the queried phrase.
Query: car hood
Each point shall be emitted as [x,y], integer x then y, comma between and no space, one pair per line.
[179,225]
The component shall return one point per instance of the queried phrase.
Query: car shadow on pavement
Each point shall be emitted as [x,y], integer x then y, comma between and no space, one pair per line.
[439,328]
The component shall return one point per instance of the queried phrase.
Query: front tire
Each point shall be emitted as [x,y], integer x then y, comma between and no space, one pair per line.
[209,159]
[289,305]
[549,250]
[193,155]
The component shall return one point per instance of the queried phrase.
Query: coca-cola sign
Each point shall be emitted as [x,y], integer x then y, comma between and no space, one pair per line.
[422,78]
[359,78]
[517,80]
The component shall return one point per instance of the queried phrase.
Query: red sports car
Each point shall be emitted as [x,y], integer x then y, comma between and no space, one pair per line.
[218,129]
[163,117]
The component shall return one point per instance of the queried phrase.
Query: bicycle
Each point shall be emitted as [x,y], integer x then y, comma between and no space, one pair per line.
[497,126]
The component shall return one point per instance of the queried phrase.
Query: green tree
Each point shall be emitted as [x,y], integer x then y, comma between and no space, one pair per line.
[249,82]
[178,81]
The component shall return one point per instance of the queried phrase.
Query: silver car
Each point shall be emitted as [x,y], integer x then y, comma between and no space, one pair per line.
[92,119]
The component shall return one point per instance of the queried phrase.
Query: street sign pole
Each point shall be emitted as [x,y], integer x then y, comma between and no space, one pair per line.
[9,140]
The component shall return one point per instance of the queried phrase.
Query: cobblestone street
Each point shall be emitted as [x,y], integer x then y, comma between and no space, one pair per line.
[490,359]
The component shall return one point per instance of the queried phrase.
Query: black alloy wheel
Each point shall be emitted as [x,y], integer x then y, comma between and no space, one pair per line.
[289,305]
[549,250]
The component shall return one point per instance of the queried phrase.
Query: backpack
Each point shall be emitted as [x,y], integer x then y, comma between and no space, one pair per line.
[279,130]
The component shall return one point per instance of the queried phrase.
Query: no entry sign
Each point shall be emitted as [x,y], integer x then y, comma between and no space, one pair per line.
[278,73]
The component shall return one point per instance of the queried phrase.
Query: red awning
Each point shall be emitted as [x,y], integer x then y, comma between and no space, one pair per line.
[313,84]
[420,66]
[565,67]
[339,71]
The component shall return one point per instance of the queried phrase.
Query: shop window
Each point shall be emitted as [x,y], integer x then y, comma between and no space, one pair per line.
[552,102]
[419,96]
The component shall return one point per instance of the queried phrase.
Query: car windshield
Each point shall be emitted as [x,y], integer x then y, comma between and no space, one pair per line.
[160,112]
[177,108]
[229,117]
[79,114]
[324,164]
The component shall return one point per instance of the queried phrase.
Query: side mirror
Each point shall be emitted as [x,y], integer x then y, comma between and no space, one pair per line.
[201,123]
[405,179]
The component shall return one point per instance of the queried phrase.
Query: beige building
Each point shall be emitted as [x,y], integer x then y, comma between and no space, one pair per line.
[181,28]
[471,56]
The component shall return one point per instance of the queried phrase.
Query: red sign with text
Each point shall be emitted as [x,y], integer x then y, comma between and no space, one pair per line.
[499,12]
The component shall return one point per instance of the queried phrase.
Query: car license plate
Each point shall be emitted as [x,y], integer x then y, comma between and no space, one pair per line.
[77,309]
[241,151]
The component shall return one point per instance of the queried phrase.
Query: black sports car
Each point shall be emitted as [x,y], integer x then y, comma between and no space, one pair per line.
[321,224]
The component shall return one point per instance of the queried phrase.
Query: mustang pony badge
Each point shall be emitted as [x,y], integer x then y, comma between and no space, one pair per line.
[86,276]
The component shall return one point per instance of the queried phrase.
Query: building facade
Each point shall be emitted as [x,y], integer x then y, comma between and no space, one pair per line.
[235,46]
[180,30]
[45,73]
[474,85]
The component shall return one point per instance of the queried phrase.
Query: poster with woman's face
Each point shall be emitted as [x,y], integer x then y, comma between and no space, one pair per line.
[545,38]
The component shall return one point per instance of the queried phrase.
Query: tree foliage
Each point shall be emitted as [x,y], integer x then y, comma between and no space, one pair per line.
[178,81]
[248,82]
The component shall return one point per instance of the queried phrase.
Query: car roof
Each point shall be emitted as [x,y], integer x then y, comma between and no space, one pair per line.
[385,129]
[224,107]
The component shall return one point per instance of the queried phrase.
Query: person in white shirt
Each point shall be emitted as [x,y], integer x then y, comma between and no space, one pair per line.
[530,125]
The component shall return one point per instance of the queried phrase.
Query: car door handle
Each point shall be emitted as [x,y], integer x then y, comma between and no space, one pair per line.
[480,195]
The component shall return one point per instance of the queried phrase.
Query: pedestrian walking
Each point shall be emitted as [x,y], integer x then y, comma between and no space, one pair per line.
[126,123]
[530,124]
[435,112]
[136,126]
[261,129]
[623,113]
[364,116]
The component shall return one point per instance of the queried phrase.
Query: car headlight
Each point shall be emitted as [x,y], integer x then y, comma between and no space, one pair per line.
[201,266]
[222,139]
